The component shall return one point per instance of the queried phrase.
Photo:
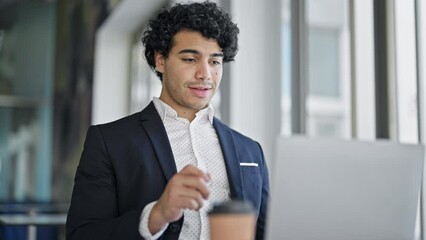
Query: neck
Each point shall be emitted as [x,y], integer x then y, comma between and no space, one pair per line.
[187,115]
[181,111]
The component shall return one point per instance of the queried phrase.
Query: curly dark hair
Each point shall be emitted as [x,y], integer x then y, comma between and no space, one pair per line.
[206,17]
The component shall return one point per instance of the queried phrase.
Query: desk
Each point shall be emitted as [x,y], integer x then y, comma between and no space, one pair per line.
[32,221]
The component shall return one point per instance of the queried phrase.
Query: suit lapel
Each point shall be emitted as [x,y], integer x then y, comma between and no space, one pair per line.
[230,156]
[154,128]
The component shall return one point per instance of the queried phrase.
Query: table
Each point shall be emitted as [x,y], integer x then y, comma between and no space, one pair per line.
[33,220]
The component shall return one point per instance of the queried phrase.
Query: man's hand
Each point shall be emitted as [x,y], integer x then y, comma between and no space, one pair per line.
[185,190]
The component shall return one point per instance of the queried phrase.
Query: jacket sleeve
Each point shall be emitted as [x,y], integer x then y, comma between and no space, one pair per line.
[93,212]
[261,220]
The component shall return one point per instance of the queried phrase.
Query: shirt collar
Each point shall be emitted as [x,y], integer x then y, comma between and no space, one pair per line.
[165,110]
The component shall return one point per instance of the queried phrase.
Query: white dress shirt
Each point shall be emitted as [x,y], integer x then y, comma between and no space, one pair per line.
[193,143]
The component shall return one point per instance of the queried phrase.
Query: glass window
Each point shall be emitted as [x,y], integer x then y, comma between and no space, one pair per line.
[26,76]
[323,58]
[328,59]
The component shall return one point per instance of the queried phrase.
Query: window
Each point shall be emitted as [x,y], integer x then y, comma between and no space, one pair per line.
[328,83]
[325,97]
[26,78]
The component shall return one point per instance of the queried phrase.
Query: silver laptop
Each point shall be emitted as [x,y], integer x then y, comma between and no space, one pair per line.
[344,190]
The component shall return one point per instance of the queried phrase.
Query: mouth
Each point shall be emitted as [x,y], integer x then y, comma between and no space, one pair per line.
[200,91]
[200,87]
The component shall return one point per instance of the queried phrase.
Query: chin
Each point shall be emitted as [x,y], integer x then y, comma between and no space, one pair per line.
[200,106]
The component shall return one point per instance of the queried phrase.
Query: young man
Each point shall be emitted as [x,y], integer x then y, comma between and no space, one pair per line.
[156,174]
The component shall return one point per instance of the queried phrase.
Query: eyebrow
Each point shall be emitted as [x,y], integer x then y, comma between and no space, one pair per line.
[193,51]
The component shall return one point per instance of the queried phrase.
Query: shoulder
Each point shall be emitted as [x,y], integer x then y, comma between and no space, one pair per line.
[115,127]
[239,138]
[129,123]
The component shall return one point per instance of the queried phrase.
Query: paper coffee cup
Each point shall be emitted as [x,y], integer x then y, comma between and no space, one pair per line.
[232,220]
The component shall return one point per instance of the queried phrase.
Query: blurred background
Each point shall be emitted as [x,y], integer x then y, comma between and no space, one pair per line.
[349,69]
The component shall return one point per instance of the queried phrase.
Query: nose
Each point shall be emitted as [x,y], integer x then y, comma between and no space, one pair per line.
[203,71]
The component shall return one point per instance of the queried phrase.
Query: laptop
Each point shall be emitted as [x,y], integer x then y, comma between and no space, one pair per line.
[329,189]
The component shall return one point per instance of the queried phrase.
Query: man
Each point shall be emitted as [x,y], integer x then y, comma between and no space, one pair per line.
[156,174]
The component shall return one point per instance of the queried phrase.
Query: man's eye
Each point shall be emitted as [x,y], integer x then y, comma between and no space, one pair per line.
[216,62]
[190,60]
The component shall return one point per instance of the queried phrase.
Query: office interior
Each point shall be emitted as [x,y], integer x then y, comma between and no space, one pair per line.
[343,69]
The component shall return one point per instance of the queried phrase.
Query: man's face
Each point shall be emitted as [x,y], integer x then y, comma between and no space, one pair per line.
[191,73]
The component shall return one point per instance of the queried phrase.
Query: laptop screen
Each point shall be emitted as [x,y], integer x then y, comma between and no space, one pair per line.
[335,189]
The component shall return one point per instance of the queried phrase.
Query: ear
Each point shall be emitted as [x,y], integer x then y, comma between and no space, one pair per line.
[159,62]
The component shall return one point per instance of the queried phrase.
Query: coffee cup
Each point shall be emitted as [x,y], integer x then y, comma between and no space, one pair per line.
[232,220]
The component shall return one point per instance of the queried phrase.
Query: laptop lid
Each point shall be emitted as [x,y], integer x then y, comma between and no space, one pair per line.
[325,189]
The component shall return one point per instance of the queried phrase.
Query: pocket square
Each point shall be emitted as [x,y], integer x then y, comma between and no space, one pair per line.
[249,164]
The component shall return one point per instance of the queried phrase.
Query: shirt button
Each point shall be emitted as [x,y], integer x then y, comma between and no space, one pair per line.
[175,227]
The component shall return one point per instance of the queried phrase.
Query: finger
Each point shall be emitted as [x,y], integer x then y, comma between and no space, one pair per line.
[189,203]
[187,186]
[197,184]
[183,202]
[194,171]
[194,195]
[184,183]
[195,205]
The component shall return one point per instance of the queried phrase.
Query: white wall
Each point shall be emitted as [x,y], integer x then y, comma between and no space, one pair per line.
[422,91]
[255,74]
[112,58]
[364,68]
[406,77]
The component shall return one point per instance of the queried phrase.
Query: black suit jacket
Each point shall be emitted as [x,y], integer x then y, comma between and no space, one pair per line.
[126,164]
